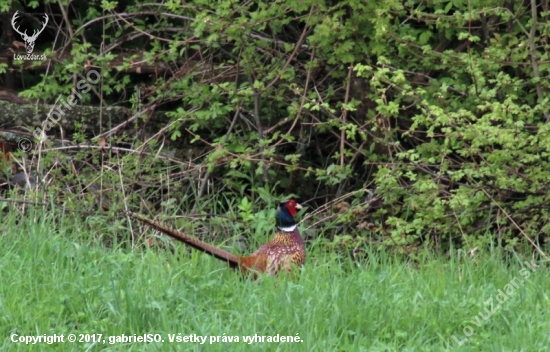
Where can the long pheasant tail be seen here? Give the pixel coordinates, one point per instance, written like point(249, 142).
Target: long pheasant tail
point(231, 259)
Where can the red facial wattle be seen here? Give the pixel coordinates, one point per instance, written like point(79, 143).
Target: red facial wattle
point(291, 207)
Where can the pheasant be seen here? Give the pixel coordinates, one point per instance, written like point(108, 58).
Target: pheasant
point(283, 252)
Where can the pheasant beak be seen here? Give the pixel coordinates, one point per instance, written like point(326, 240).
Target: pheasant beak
point(298, 206)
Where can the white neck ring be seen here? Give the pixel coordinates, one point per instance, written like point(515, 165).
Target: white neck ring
point(288, 228)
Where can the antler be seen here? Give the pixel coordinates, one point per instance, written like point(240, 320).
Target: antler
point(43, 26)
point(13, 19)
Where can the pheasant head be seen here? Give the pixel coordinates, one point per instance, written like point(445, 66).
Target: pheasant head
point(285, 215)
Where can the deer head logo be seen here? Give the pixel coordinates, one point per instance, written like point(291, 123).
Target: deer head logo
point(29, 41)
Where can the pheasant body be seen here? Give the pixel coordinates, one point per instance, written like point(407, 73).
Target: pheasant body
point(283, 252)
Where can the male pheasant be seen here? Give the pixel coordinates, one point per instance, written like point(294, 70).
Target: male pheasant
point(283, 252)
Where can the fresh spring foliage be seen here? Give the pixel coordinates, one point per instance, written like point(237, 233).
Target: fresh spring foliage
point(429, 119)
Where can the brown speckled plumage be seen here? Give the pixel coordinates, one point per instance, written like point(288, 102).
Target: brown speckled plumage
point(283, 252)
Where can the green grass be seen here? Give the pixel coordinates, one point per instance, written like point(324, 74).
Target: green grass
point(53, 281)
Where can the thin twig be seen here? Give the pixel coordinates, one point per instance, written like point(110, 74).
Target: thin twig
point(533, 52)
point(125, 123)
point(345, 118)
point(516, 225)
point(258, 121)
point(297, 46)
